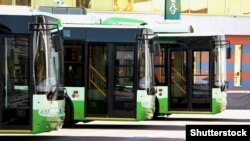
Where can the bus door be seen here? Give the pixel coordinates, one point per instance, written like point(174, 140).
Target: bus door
point(15, 100)
point(189, 80)
point(110, 81)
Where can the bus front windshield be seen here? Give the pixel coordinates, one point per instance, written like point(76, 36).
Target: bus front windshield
point(146, 69)
point(47, 65)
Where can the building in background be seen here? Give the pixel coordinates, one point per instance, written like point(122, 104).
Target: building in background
point(229, 17)
point(207, 7)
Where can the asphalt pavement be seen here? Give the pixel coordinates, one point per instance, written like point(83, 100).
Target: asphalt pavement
point(171, 128)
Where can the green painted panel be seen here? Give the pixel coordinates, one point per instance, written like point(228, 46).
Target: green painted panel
point(122, 20)
point(216, 108)
point(77, 96)
point(145, 105)
point(47, 115)
point(162, 96)
point(219, 100)
point(79, 110)
point(42, 123)
point(140, 112)
point(163, 105)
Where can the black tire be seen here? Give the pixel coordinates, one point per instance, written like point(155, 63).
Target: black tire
point(68, 121)
point(156, 113)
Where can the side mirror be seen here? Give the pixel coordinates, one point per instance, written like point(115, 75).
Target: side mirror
point(57, 42)
point(224, 86)
point(156, 48)
point(228, 52)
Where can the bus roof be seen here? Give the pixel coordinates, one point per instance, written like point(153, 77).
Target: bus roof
point(101, 26)
point(11, 16)
point(78, 19)
point(123, 21)
point(189, 34)
point(162, 28)
point(102, 33)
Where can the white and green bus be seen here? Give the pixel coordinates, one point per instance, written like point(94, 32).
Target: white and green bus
point(109, 73)
point(32, 95)
point(109, 69)
point(190, 73)
point(190, 70)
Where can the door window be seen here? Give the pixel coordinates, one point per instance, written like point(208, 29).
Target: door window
point(15, 82)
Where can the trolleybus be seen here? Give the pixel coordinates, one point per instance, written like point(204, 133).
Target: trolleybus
point(109, 73)
point(109, 69)
point(32, 97)
point(190, 73)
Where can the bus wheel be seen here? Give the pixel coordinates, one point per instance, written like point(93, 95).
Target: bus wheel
point(68, 121)
point(156, 113)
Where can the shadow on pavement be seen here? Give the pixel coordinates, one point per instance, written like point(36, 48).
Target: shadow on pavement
point(203, 119)
point(83, 138)
point(129, 127)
